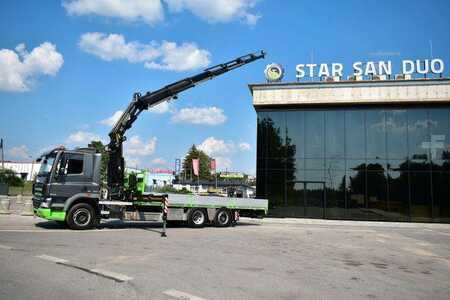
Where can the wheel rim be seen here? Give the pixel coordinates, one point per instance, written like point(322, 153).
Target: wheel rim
point(198, 217)
point(223, 217)
point(82, 217)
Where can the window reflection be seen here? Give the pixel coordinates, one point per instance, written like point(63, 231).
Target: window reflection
point(378, 164)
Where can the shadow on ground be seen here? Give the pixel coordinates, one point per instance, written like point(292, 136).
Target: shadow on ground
point(118, 224)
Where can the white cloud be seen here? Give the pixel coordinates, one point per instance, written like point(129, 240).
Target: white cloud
point(185, 57)
point(147, 11)
point(161, 108)
point(159, 161)
point(19, 69)
point(244, 146)
point(218, 11)
point(200, 115)
point(19, 152)
point(113, 119)
point(154, 55)
point(132, 162)
point(135, 146)
point(223, 163)
point(213, 146)
point(83, 137)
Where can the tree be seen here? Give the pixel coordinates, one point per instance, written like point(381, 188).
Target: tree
point(204, 163)
point(100, 148)
point(10, 178)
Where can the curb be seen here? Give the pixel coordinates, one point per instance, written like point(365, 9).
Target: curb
point(325, 222)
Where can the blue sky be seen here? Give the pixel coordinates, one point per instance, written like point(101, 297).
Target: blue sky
point(83, 60)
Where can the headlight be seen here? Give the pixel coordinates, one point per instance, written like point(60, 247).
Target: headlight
point(46, 203)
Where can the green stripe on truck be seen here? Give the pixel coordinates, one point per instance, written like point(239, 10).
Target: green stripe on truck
point(48, 214)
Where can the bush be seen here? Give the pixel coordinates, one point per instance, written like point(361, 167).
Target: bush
point(10, 178)
point(171, 190)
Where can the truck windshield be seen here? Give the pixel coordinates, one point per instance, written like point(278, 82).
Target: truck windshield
point(46, 165)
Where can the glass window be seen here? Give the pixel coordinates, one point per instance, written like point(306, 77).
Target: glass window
point(74, 166)
point(377, 195)
point(439, 143)
point(398, 193)
point(314, 125)
point(275, 126)
point(334, 133)
point(376, 134)
point(441, 196)
point(418, 140)
point(275, 188)
point(356, 192)
point(420, 196)
point(261, 136)
point(355, 134)
point(295, 192)
point(295, 133)
point(396, 129)
point(335, 193)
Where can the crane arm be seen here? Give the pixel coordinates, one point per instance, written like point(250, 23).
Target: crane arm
point(143, 102)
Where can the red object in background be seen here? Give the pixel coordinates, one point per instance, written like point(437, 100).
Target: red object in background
point(213, 166)
point(195, 166)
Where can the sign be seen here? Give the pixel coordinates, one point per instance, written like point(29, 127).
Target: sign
point(426, 66)
point(195, 166)
point(274, 72)
point(213, 166)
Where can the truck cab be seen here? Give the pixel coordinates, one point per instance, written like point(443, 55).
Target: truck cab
point(67, 178)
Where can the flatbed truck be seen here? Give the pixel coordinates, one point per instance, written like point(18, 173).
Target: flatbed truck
point(69, 188)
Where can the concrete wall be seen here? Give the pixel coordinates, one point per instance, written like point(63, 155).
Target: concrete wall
point(353, 92)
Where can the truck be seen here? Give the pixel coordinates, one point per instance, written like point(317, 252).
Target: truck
point(69, 187)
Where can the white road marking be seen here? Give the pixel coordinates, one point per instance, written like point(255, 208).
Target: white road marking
point(181, 295)
point(6, 247)
point(52, 259)
point(104, 273)
point(112, 275)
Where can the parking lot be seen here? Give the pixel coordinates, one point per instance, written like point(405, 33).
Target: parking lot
point(254, 260)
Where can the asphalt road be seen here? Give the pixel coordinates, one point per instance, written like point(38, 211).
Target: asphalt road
point(39, 259)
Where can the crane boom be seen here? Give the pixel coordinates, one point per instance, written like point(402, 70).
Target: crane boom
point(115, 171)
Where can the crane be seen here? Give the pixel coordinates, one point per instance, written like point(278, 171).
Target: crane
point(139, 103)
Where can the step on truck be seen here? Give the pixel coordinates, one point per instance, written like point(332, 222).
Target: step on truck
point(69, 187)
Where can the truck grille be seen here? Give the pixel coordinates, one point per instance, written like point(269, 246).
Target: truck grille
point(36, 202)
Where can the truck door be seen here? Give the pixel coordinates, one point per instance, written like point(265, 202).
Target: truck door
point(70, 178)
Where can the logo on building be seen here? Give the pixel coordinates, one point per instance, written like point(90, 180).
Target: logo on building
point(274, 72)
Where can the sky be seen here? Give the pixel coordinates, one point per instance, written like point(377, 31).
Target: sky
point(68, 68)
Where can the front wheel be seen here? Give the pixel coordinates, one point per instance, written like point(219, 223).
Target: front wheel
point(81, 216)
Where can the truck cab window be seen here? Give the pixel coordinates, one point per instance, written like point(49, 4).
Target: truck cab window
point(74, 166)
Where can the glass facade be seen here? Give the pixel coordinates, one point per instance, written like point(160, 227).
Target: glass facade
point(364, 163)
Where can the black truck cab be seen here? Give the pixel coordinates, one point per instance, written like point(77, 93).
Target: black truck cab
point(67, 178)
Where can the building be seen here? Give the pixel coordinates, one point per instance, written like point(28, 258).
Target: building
point(356, 149)
point(25, 170)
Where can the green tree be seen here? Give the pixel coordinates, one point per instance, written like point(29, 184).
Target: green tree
point(9, 177)
point(204, 161)
point(99, 147)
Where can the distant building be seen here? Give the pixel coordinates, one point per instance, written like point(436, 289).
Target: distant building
point(25, 170)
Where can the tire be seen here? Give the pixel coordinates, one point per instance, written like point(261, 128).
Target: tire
point(223, 218)
point(197, 218)
point(81, 216)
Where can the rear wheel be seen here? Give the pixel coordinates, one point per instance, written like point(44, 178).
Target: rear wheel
point(81, 216)
point(196, 218)
point(223, 218)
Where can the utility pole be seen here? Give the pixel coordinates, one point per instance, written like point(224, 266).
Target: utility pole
point(3, 158)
